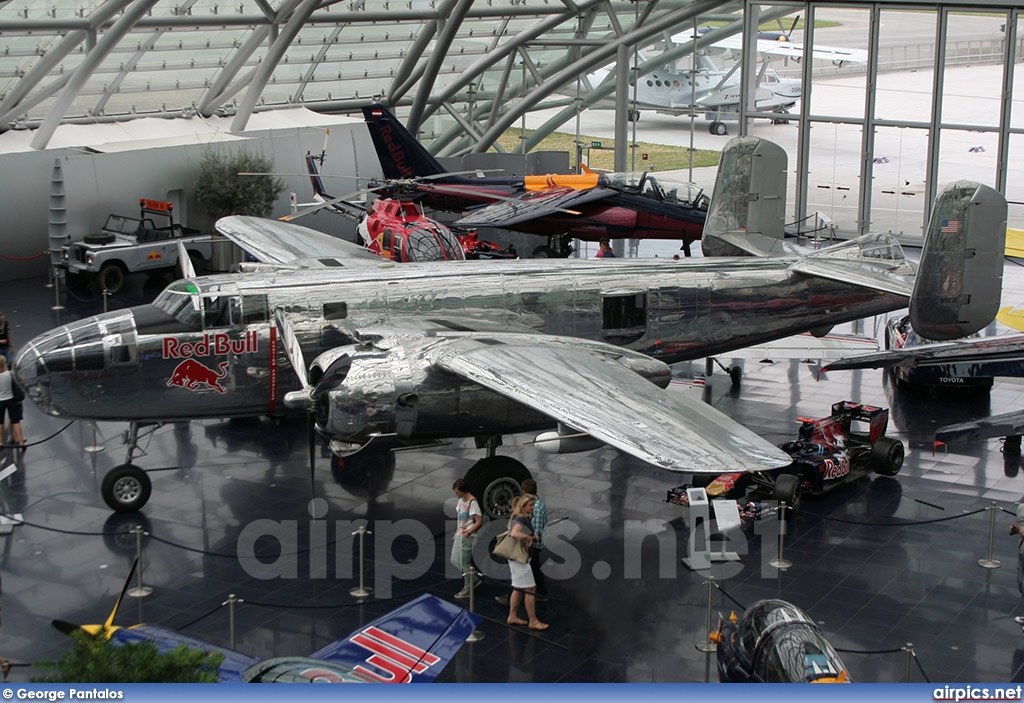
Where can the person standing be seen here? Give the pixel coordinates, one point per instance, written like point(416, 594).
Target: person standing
point(523, 586)
point(540, 523)
point(1015, 529)
point(10, 404)
point(604, 250)
point(468, 521)
point(6, 350)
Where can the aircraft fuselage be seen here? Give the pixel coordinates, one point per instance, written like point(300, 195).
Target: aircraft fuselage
point(209, 347)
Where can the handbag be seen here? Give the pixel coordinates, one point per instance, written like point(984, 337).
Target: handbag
point(508, 547)
point(18, 394)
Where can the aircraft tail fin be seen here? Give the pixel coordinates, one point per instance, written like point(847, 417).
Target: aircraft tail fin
point(960, 280)
point(400, 154)
point(314, 177)
point(410, 644)
point(747, 211)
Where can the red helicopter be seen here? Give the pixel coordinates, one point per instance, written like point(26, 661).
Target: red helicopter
point(396, 228)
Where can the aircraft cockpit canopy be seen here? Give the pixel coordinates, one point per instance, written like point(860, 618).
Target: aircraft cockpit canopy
point(663, 187)
point(785, 645)
point(198, 308)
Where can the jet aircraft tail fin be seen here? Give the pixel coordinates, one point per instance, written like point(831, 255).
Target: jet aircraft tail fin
point(957, 289)
point(401, 156)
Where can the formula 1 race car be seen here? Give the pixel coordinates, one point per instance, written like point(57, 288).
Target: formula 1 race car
point(834, 451)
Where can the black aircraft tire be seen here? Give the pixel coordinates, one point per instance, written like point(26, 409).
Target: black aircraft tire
point(718, 128)
point(887, 456)
point(544, 252)
point(111, 277)
point(787, 489)
point(495, 481)
point(735, 375)
point(703, 480)
point(126, 488)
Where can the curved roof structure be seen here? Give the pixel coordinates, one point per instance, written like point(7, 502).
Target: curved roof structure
point(485, 62)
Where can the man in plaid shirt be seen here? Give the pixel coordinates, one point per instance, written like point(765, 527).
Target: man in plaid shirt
point(540, 523)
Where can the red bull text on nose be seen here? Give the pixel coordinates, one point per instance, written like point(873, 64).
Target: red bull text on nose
point(217, 343)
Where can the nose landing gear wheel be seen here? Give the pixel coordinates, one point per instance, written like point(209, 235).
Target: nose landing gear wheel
point(126, 488)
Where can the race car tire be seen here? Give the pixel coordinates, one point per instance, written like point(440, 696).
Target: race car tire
point(887, 456)
point(703, 480)
point(787, 489)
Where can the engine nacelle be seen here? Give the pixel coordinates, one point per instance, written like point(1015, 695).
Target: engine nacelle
point(355, 391)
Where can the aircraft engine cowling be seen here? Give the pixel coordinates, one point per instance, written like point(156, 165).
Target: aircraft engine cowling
point(354, 391)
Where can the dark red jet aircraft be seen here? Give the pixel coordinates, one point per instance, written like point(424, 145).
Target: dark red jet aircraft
point(587, 206)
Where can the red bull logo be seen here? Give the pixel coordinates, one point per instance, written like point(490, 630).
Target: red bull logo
point(192, 375)
point(218, 343)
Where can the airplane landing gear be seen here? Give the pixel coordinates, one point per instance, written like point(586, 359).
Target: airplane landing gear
point(718, 128)
point(558, 247)
point(495, 481)
point(126, 487)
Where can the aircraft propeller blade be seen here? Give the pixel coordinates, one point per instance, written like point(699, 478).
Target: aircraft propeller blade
point(292, 349)
point(124, 589)
point(187, 269)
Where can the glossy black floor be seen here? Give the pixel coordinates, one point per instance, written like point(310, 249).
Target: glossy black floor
point(869, 563)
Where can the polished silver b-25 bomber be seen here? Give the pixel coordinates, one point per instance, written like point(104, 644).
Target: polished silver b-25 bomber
point(406, 353)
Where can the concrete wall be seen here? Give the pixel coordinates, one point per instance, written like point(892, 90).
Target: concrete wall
point(97, 184)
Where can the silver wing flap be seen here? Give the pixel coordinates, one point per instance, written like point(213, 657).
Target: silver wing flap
point(760, 245)
point(276, 242)
point(591, 392)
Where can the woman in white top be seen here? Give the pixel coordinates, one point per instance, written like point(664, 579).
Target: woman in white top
point(10, 407)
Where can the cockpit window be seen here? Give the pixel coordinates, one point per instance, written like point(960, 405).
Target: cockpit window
point(181, 300)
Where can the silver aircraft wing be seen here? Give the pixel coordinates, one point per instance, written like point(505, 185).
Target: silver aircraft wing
point(871, 260)
point(284, 243)
point(1005, 425)
point(992, 356)
point(592, 393)
point(806, 346)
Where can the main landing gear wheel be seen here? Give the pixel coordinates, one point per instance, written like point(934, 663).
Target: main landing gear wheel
point(126, 488)
point(495, 481)
point(718, 128)
point(544, 252)
point(887, 456)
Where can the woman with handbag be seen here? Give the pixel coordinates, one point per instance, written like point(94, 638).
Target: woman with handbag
point(523, 585)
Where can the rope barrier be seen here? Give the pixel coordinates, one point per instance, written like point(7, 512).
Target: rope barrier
point(23, 258)
point(32, 444)
point(893, 524)
point(920, 668)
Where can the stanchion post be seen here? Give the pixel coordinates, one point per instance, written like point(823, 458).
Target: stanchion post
point(361, 591)
point(93, 448)
point(988, 562)
point(909, 649)
point(707, 644)
point(230, 603)
point(56, 296)
point(140, 591)
point(106, 294)
point(475, 635)
point(780, 562)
